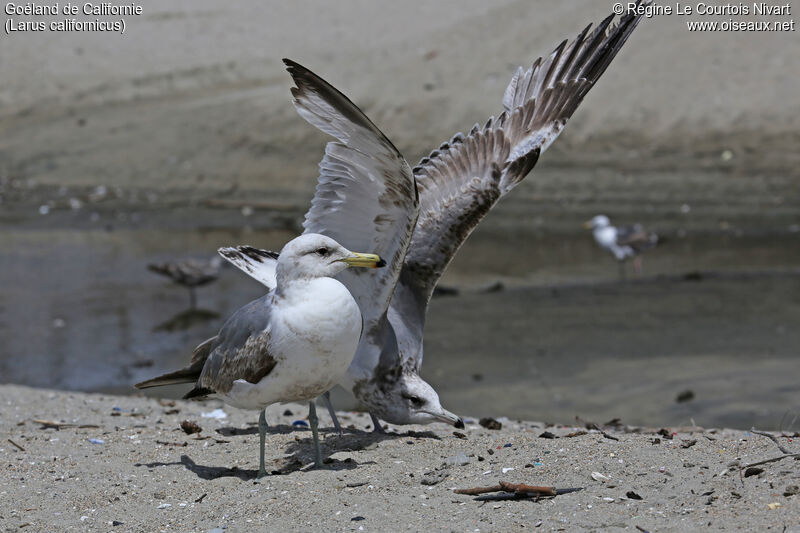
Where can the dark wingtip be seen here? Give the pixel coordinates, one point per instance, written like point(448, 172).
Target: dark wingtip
point(459, 424)
point(197, 392)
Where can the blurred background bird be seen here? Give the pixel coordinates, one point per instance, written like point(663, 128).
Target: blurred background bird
point(623, 242)
point(191, 272)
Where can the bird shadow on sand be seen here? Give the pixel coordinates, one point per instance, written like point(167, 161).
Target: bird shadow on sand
point(298, 455)
point(353, 440)
point(186, 319)
point(230, 431)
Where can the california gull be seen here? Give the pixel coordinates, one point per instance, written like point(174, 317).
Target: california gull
point(259, 357)
point(458, 185)
point(622, 241)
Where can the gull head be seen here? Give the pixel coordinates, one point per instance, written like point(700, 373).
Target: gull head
point(314, 256)
point(600, 221)
point(413, 401)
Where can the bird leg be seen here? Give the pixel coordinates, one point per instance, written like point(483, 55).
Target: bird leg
point(621, 270)
point(192, 298)
point(637, 265)
point(314, 422)
point(262, 435)
point(326, 397)
point(377, 423)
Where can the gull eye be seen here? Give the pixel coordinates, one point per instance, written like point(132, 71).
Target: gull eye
point(415, 400)
point(322, 252)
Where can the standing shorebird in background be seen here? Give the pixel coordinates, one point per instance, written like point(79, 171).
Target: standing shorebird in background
point(623, 241)
point(190, 272)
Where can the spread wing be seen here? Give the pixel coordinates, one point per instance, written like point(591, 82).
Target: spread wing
point(366, 196)
point(461, 181)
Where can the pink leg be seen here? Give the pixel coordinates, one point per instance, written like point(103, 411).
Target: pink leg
point(637, 265)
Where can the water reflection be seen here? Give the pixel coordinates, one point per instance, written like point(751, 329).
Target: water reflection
point(556, 336)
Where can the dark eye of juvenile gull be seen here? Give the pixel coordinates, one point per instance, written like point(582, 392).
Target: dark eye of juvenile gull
point(416, 401)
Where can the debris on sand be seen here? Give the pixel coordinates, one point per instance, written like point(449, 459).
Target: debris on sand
point(190, 427)
point(510, 491)
point(490, 423)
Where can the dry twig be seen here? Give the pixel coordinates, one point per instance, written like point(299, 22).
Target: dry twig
point(60, 425)
point(516, 488)
point(167, 443)
point(786, 453)
point(774, 439)
point(478, 490)
point(528, 489)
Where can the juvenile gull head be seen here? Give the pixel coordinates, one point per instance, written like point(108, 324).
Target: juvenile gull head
point(413, 401)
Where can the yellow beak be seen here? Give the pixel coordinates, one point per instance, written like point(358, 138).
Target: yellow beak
point(587, 224)
point(364, 260)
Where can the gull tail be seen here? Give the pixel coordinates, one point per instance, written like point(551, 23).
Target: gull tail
point(188, 374)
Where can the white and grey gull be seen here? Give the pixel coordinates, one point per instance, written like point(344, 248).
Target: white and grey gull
point(297, 341)
point(624, 242)
point(458, 185)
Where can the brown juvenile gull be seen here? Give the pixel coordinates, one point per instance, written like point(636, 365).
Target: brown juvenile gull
point(458, 185)
point(365, 187)
point(622, 241)
point(190, 272)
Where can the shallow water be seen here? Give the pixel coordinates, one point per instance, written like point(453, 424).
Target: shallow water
point(563, 337)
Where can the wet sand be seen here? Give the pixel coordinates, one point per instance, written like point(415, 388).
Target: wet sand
point(674, 120)
point(124, 464)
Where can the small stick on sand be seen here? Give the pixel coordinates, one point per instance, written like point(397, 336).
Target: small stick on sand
point(528, 489)
point(60, 425)
point(52, 424)
point(478, 490)
point(517, 488)
point(20, 448)
point(774, 439)
point(786, 453)
point(167, 443)
point(774, 459)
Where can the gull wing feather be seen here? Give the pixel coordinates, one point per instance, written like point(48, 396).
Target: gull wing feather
point(256, 263)
point(461, 181)
point(239, 351)
point(366, 196)
point(636, 237)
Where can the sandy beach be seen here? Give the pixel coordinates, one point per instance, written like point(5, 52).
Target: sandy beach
point(82, 462)
point(192, 104)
